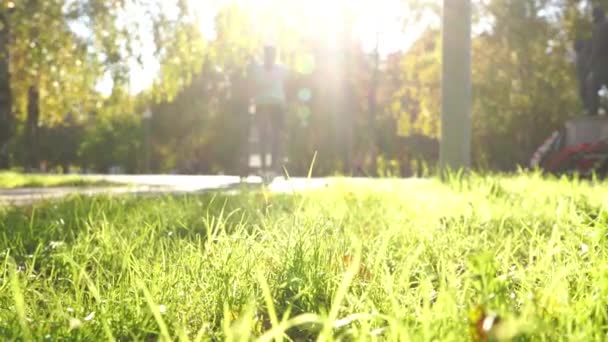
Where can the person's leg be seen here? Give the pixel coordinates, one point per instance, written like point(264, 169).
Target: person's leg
point(263, 135)
point(245, 149)
point(603, 82)
point(277, 139)
point(592, 95)
point(583, 95)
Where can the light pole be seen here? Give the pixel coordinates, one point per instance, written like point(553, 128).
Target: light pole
point(455, 151)
point(147, 116)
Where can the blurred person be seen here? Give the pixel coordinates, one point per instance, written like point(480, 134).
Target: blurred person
point(599, 59)
point(268, 91)
point(582, 48)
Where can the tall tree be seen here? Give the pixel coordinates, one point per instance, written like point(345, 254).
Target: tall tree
point(6, 108)
point(64, 48)
point(524, 85)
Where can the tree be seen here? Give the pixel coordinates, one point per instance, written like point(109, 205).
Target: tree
point(61, 49)
point(53, 69)
point(6, 107)
point(524, 84)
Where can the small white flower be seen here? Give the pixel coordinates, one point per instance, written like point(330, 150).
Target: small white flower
point(90, 316)
point(69, 310)
point(75, 323)
point(488, 323)
point(55, 244)
point(181, 293)
point(162, 309)
point(584, 249)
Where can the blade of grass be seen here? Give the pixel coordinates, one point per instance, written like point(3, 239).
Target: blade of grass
point(19, 300)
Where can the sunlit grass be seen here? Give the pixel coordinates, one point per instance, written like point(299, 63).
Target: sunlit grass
point(388, 259)
point(10, 180)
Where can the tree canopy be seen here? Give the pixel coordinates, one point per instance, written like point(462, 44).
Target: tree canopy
point(359, 105)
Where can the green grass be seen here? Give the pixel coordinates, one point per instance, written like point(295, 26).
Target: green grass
point(11, 180)
point(386, 260)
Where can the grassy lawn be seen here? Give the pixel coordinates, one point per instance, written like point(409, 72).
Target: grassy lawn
point(392, 260)
point(11, 180)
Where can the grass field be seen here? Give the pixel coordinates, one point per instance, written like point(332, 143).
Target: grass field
point(487, 257)
point(11, 180)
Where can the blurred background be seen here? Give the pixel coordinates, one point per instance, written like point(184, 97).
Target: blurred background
point(159, 86)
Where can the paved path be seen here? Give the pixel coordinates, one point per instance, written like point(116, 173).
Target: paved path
point(181, 183)
point(156, 185)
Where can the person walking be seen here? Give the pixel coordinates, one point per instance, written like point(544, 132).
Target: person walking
point(268, 86)
point(599, 60)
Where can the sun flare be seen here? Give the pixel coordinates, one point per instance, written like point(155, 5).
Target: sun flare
point(321, 19)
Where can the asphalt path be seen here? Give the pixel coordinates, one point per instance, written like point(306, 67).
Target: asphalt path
point(158, 185)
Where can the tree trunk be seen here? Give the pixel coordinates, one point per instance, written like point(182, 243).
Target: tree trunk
point(6, 114)
point(31, 129)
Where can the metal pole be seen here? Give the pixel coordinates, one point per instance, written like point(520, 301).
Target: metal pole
point(455, 151)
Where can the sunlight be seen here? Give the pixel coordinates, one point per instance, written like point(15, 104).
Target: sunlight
point(374, 24)
point(322, 20)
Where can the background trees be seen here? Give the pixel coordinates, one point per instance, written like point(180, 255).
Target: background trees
point(67, 96)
